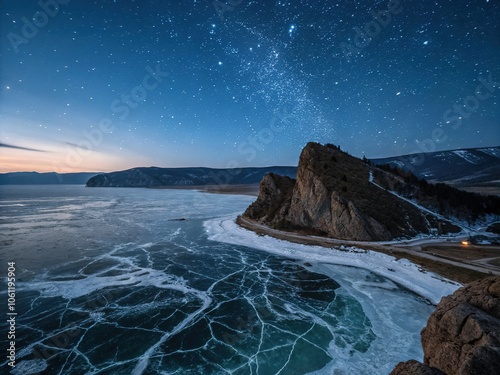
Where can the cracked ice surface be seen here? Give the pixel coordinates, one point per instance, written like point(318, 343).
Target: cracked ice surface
point(259, 315)
point(164, 298)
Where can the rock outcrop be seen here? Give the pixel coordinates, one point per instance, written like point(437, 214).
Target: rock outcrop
point(273, 200)
point(414, 368)
point(462, 336)
point(334, 195)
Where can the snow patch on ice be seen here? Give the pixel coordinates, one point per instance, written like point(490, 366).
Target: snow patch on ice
point(26, 367)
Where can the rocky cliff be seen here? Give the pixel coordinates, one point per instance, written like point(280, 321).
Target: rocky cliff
point(273, 201)
point(335, 195)
point(462, 336)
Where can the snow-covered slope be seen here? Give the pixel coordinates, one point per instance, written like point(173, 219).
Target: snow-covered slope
point(466, 166)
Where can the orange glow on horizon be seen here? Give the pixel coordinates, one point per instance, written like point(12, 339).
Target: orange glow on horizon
point(465, 243)
point(43, 162)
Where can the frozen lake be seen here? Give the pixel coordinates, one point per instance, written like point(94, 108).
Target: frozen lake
point(110, 281)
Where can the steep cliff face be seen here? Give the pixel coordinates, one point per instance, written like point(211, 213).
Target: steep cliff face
point(462, 336)
point(334, 195)
point(329, 182)
point(273, 200)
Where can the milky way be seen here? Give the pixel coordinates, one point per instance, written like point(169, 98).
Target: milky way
point(245, 82)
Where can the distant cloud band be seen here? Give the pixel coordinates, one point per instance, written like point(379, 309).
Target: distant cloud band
point(4, 145)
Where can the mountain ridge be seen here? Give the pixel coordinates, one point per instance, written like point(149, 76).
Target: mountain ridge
point(45, 178)
point(458, 167)
point(191, 176)
point(480, 170)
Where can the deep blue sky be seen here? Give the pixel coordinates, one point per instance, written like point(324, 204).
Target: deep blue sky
point(242, 85)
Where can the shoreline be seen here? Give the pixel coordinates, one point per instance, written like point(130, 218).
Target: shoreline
point(430, 286)
point(445, 256)
point(237, 189)
point(447, 259)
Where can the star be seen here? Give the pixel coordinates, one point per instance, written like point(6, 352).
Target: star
point(294, 72)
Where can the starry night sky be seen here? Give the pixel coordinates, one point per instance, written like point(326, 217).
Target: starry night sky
point(107, 85)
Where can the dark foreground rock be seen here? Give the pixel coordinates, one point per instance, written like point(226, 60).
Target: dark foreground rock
point(414, 368)
point(462, 336)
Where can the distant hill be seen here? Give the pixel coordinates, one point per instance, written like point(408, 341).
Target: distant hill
point(465, 167)
point(340, 196)
point(164, 177)
point(52, 178)
point(461, 168)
